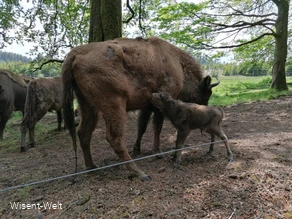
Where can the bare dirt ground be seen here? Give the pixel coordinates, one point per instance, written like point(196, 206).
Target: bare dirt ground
point(257, 184)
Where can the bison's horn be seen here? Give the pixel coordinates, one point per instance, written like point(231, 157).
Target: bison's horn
point(214, 84)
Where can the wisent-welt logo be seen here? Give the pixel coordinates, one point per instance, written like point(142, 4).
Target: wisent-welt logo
point(39, 206)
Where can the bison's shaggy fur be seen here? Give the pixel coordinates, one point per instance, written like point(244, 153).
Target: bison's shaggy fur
point(188, 116)
point(43, 95)
point(116, 76)
point(12, 95)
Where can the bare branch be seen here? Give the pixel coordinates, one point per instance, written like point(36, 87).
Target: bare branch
point(47, 62)
point(238, 45)
point(132, 13)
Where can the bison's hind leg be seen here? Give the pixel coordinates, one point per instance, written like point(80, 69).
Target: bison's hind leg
point(87, 125)
point(115, 116)
point(23, 138)
point(31, 137)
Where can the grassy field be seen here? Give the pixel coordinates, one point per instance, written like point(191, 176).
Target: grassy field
point(242, 89)
point(46, 127)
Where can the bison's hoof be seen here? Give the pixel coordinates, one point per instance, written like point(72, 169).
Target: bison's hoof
point(135, 153)
point(136, 150)
point(93, 166)
point(176, 165)
point(230, 157)
point(209, 152)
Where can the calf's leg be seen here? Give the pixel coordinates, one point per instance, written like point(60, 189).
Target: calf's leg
point(219, 132)
point(115, 116)
point(211, 148)
point(180, 142)
point(143, 118)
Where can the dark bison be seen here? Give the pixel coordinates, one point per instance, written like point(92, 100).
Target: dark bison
point(12, 95)
point(117, 76)
point(188, 116)
point(43, 95)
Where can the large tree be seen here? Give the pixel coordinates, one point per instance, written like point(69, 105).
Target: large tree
point(56, 26)
point(105, 20)
point(231, 24)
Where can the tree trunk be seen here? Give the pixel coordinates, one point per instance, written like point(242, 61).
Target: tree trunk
point(105, 20)
point(279, 73)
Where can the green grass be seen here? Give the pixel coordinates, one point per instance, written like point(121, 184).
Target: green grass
point(241, 89)
point(12, 134)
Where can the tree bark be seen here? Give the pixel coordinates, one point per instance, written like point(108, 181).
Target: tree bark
point(280, 55)
point(105, 20)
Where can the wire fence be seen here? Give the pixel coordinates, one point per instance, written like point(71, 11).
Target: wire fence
point(282, 129)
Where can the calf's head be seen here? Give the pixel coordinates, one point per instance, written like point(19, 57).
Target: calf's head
point(160, 100)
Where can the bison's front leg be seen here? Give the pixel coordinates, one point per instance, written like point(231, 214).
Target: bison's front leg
point(59, 119)
point(143, 119)
point(180, 142)
point(87, 125)
point(3, 121)
point(158, 119)
point(115, 117)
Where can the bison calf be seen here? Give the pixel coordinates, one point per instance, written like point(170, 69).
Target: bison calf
point(188, 116)
point(43, 95)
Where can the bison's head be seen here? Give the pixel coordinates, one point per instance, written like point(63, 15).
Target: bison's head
point(197, 93)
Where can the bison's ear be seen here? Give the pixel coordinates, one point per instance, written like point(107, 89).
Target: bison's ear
point(1, 89)
point(206, 83)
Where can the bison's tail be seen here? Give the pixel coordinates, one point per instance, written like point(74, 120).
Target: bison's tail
point(68, 111)
point(30, 106)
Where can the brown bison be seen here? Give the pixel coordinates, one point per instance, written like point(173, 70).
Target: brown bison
point(188, 116)
point(12, 96)
point(43, 95)
point(117, 76)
